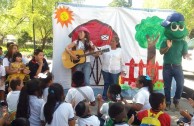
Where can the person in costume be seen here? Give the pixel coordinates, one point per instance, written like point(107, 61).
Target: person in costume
point(174, 47)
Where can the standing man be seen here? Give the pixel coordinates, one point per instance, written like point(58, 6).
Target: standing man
point(174, 48)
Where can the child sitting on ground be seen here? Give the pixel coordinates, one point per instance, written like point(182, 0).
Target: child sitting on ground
point(47, 80)
point(158, 104)
point(12, 97)
point(18, 65)
point(80, 91)
point(118, 114)
point(114, 95)
point(82, 110)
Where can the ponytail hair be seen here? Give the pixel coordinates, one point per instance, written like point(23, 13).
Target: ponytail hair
point(32, 87)
point(55, 97)
point(45, 81)
point(146, 82)
point(115, 92)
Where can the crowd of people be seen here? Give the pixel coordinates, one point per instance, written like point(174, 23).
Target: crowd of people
point(43, 102)
point(35, 100)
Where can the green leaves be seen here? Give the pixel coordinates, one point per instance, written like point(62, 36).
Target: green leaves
point(17, 18)
point(149, 28)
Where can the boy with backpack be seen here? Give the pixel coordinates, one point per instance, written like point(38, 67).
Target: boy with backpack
point(118, 114)
point(155, 116)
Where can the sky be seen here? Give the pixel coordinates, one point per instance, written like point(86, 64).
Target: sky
point(135, 3)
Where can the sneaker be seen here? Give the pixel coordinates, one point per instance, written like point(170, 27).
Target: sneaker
point(167, 107)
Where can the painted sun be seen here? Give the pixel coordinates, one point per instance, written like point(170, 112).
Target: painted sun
point(64, 16)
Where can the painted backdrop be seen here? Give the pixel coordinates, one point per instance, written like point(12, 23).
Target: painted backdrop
point(139, 32)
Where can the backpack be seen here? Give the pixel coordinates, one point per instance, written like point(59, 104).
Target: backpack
point(151, 119)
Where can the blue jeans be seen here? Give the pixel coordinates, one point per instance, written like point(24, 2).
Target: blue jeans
point(109, 79)
point(86, 69)
point(170, 71)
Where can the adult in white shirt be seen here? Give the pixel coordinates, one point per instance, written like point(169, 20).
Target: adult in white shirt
point(13, 96)
point(56, 112)
point(13, 48)
point(83, 42)
point(112, 64)
point(79, 92)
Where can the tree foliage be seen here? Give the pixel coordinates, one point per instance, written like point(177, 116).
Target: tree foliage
point(149, 27)
point(183, 6)
point(19, 18)
point(119, 3)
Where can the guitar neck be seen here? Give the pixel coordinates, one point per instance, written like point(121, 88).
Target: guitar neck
point(88, 54)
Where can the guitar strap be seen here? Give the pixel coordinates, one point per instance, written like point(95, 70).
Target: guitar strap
point(83, 94)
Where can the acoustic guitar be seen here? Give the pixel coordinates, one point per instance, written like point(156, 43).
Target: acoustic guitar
point(69, 62)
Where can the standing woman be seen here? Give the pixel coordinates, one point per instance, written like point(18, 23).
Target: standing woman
point(112, 65)
point(83, 42)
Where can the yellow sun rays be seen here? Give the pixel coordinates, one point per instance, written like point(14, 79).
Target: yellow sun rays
point(64, 16)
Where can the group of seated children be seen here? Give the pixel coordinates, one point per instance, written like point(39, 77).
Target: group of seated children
point(147, 107)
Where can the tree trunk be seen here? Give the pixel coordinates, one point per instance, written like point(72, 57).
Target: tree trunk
point(43, 43)
point(151, 53)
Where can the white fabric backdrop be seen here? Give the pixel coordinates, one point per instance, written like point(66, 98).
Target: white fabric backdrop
point(122, 20)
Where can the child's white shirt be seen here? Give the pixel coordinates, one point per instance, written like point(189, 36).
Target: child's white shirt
point(142, 97)
point(73, 95)
point(90, 121)
point(192, 121)
point(45, 94)
point(2, 74)
point(35, 110)
point(104, 111)
point(12, 100)
point(61, 116)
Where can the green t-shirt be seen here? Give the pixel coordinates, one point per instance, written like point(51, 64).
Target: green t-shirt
point(175, 52)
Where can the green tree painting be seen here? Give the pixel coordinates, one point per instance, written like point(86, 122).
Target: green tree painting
point(149, 34)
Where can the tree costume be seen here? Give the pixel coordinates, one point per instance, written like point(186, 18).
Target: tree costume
point(174, 47)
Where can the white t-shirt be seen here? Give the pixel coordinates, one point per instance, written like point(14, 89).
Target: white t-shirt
point(2, 74)
point(73, 95)
point(61, 116)
point(112, 60)
point(142, 97)
point(12, 100)
point(6, 62)
point(104, 111)
point(45, 94)
point(192, 121)
point(81, 46)
point(35, 110)
point(90, 121)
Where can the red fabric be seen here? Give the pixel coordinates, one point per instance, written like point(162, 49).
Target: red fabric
point(163, 118)
point(100, 33)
